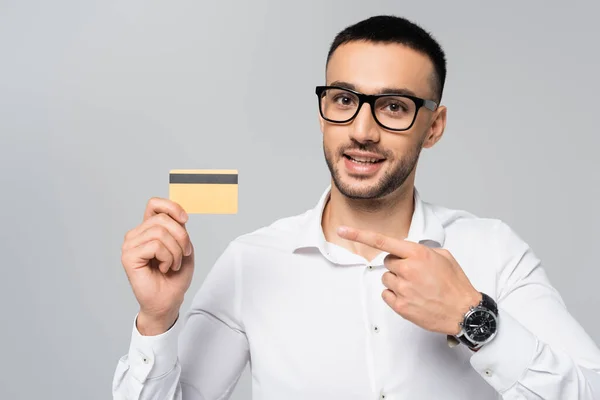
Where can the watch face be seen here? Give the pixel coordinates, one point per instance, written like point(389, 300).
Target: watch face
point(480, 325)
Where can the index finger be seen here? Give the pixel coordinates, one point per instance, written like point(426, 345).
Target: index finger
point(400, 248)
point(157, 205)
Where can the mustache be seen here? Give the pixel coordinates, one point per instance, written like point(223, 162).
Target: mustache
point(364, 147)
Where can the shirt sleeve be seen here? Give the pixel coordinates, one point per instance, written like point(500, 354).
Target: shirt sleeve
point(202, 356)
point(540, 350)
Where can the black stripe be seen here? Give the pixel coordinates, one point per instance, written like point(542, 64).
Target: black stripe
point(203, 178)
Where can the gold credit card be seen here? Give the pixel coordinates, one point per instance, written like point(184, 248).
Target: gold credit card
point(205, 191)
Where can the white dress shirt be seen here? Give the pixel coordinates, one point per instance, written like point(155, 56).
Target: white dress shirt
point(309, 318)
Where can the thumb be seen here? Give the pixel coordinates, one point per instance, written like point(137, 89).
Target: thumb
point(187, 262)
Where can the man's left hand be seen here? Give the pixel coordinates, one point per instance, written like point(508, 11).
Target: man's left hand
point(424, 285)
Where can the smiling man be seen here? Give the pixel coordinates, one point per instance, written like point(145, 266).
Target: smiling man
point(372, 294)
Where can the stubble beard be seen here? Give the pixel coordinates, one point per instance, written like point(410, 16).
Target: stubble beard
point(388, 183)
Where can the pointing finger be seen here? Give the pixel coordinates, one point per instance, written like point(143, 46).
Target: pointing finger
point(400, 248)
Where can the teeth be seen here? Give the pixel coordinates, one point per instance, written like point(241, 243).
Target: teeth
point(365, 160)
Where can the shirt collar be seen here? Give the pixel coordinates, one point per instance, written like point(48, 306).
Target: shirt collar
point(425, 227)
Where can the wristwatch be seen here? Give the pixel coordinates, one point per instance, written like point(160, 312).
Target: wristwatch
point(480, 324)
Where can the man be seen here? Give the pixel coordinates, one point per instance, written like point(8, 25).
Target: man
point(367, 295)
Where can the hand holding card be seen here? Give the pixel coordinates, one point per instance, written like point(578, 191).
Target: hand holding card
point(158, 255)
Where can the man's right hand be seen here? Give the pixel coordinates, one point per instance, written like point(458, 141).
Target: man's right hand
point(158, 258)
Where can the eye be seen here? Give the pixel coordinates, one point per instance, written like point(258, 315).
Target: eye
point(343, 100)
point(394, 106)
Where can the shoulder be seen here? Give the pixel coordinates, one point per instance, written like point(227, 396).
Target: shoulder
point(463, 225)
point(486, 247)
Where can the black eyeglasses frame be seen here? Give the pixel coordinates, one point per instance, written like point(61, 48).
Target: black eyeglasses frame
point(371, 99)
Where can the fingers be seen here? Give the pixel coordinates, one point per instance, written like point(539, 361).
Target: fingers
point(158, 227)
point(389, 280)
point(395, 283)
point(153, 249)
point(389, 297)
point(399, 266)
point(164, 237)
point(159, 233)
point(400, 248)
point(157, 205)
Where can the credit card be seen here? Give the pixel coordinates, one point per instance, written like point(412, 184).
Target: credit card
point(205, 191)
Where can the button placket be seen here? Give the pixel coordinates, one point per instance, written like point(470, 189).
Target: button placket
point(375, 328)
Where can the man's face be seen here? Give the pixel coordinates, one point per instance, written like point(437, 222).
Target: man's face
point(371, 68)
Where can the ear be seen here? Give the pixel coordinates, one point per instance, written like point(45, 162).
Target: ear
point(436, 130)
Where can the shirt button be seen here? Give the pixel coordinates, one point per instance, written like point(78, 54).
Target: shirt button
point(382, 396)
point(145, 359)
point(370, 267)
point(376, 329)
point(488, 372)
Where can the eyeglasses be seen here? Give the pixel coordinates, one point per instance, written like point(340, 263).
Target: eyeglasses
point(396, 112)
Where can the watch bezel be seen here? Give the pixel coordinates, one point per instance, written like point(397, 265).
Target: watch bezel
point(471, 311)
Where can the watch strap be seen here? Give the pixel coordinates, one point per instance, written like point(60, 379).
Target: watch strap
point(463, 339)
point(489, 303)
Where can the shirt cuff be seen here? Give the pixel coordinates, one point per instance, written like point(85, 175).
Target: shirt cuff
point(153, 356)
point(504, 360)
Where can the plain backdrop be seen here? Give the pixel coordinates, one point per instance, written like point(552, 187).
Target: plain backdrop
point(100, 99)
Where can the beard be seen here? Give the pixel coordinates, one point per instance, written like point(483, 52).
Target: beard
point(388, 183)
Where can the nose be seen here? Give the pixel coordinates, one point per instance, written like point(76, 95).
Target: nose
point(364, 128)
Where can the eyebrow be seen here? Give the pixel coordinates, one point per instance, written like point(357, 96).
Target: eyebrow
point(386, 90)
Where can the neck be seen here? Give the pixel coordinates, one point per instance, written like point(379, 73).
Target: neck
point(390, 216)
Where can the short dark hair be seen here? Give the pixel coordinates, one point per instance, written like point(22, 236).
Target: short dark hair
point(392, 29)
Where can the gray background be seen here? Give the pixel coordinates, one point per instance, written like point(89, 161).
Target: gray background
point(99, 99)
